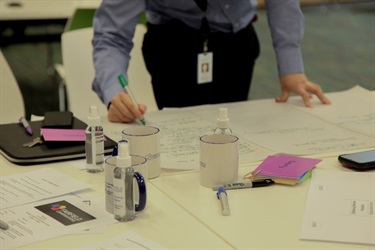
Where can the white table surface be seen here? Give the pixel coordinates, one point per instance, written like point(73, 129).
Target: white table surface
point(183, 214)
point(261, 218)
point(164, 221)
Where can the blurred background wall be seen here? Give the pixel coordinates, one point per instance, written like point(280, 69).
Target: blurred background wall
point(338, 51)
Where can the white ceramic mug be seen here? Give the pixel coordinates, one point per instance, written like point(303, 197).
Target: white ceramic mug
point(139, 165)
point(218, 159)
point(145, 141)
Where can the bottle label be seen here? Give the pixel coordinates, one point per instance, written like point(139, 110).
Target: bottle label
point(94, 159)
point(119, 199)
point(99, 148)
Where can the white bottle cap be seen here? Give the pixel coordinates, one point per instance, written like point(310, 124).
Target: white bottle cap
point(222, 119)
point(94, 118)
point(123, 159)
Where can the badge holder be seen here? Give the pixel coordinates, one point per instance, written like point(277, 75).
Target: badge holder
point(205, 59)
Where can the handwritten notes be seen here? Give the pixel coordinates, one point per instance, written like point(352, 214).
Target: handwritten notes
point(180, 132)
point(267, 128)
point(283, 128)
point(352, 109)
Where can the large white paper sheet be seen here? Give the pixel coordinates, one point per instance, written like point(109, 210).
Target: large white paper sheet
point(180, 132)
point(340, 207)
point(128, 240)
point(285, 129)
point(36, 185)
point(353, 109)
point(267, 128)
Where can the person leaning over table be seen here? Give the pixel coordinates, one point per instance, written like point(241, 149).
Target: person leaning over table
point(177, 36)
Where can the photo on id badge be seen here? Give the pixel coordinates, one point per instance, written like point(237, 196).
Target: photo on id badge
point(205, 67)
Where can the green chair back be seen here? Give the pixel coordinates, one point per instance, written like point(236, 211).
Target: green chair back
point(82, 18)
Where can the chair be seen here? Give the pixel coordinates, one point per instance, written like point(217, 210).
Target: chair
point(81, 18)
point(79, 72)
point(12, 105)
point(139, 77)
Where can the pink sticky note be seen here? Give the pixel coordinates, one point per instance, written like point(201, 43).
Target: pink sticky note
point(51, 134)
point(286, 166)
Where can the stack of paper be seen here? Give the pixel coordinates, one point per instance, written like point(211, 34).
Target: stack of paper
point(284, 169)
point(340, 207)
point(43, 204)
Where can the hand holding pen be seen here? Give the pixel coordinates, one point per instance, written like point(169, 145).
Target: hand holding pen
point(126, 87)
point(123, 108)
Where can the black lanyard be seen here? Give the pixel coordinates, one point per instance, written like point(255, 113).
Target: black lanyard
point(205, 28)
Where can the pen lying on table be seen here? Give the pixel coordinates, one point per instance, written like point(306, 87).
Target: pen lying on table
point(26, 125)
point(246, 184)
point(223, 197)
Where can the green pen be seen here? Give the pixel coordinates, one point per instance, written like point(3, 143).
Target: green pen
point(125, 85)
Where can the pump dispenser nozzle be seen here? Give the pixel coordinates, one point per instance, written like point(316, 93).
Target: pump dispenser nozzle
point(94, 118)
point(123, 159)
point(223, 122)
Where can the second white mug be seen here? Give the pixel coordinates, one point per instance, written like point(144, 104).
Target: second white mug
point(145, 141)
point(218, 159)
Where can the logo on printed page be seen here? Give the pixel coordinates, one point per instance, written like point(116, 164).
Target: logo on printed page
point(65, 213)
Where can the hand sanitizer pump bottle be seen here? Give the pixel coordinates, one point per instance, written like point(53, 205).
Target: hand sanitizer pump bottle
point(123, 196)
point(223, 123)
point(94, 145)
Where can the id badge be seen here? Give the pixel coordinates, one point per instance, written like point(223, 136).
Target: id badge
point(205, 64)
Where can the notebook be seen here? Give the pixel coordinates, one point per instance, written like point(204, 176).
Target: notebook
point(13, 136)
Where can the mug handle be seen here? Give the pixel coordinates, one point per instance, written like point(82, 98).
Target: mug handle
point(142, 192)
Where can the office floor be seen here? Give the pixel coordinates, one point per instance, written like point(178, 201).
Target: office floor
point(338, 51)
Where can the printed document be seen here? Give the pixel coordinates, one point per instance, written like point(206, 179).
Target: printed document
point(48, 219)
point(36, 185)
point(340, 207)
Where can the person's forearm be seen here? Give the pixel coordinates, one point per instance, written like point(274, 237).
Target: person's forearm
point(114, 24)
point(287, 26)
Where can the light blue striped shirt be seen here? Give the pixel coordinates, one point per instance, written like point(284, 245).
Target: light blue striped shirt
point(115, 21)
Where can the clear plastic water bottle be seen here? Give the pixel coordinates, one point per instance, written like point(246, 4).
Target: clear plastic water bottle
point(94, 145)
point(123, 197)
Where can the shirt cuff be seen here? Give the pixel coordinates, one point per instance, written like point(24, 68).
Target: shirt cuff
point(108, 92)
point(289, 61)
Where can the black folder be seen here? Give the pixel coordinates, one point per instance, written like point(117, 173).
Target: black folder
point(13, 136)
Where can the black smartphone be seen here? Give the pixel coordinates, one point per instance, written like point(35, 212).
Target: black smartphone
point(364, 160)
